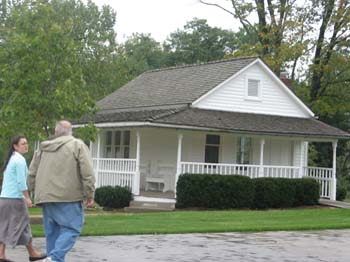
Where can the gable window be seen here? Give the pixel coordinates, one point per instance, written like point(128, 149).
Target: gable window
point(253, 88)
point(212, 146)
point(244, 150)
point(117, 144)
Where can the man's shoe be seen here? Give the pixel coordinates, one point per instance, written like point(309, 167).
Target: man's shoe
point(42, 256)
point(48, 259)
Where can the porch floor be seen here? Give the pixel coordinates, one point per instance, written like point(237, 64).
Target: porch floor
point(158, 194)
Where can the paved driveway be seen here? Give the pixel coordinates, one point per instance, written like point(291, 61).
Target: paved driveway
point(328, 245)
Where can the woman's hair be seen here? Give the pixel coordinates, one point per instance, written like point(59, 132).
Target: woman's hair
point(15, 140)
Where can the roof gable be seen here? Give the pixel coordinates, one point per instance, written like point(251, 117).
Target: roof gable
point(274, 97)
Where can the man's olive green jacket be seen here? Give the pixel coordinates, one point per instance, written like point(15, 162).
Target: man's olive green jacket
point(61, 171)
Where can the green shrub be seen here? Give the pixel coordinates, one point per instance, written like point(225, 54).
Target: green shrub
point(341, 192)
point(234, 191)
point(113, 197)
point(285, 192)
point(214, 191)
point(265, 192)
point(310, 191)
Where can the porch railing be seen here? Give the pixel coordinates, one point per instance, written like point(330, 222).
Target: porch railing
point(122, 172)
point(252, 171)
point(114, 172)
point(282, 171)
point(324, 176)
point(223, 169)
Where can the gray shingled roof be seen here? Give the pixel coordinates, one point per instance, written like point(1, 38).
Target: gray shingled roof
point(138, 115)
point(176, 85)
point(234, 122)
point(253, 123)
point(164, 97)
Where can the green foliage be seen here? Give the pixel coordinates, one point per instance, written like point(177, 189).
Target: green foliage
point(198, 42)
point(87, 133)
point(225, 192)
point(139, 54)
point(341, 192)
point(56, 58)
point(285, 192)
point(280, 34)
point(307, 192)
point(113, 197)
point(214, 191)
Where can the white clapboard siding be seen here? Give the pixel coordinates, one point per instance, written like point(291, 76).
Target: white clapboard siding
point(231, 96)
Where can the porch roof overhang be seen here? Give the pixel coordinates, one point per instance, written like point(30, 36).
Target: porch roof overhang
point(185, 117)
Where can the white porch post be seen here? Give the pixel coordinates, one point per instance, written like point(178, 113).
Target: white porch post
point(98, 160)
point(302, 152)
point(136, 184)
point(334, 167)
point(306, 157)
point(178, 163)
point(261, 168)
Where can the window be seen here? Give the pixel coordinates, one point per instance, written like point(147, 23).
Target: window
point(108, 146)
point(117, 144)
point(253, 88)
point(244, 150)
point(212, 146)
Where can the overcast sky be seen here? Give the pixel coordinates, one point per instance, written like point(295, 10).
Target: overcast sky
point(161, 17)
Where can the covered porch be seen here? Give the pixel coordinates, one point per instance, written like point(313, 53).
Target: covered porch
point(151, 159)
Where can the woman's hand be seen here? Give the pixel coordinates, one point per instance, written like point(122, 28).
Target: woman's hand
point(27, 199)
point(28, 202)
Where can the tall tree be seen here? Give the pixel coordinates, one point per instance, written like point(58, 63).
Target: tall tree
point(93, 30)
point(139, 53)
point(280, 27)
point(198, 42)
point(53, 59)
point(333, 39)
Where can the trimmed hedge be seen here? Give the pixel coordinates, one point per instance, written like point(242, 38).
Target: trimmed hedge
point(341, 192)
point(235, 191)
point(113, 197)
point(285, 192)
point(214, 191)
point(308, 192)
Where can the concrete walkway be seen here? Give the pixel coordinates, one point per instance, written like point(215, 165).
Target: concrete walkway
point(327, 245)
point(332, 203)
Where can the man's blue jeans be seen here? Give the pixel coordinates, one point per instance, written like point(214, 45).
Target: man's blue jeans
point(62, 223)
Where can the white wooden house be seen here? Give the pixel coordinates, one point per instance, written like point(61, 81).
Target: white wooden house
point(226, 117)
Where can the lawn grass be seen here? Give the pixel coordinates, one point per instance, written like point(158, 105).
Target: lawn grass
point(109, 223)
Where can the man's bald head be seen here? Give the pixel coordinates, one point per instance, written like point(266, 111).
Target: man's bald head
point(63, 128)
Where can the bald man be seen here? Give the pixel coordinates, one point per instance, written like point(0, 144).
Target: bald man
point(62, 178)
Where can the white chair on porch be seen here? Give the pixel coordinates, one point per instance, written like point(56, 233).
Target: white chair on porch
point(155, 179)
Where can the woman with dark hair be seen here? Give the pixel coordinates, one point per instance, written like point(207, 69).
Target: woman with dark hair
point(14, 202)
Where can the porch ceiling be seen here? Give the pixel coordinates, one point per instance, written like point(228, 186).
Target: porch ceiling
point(221, 120)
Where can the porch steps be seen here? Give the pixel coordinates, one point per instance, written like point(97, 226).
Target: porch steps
point(148, 204)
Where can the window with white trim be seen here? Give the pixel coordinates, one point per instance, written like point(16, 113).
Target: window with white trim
point(117, 144)
point(212, 146)
point(253, 88)
point(244, 148)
